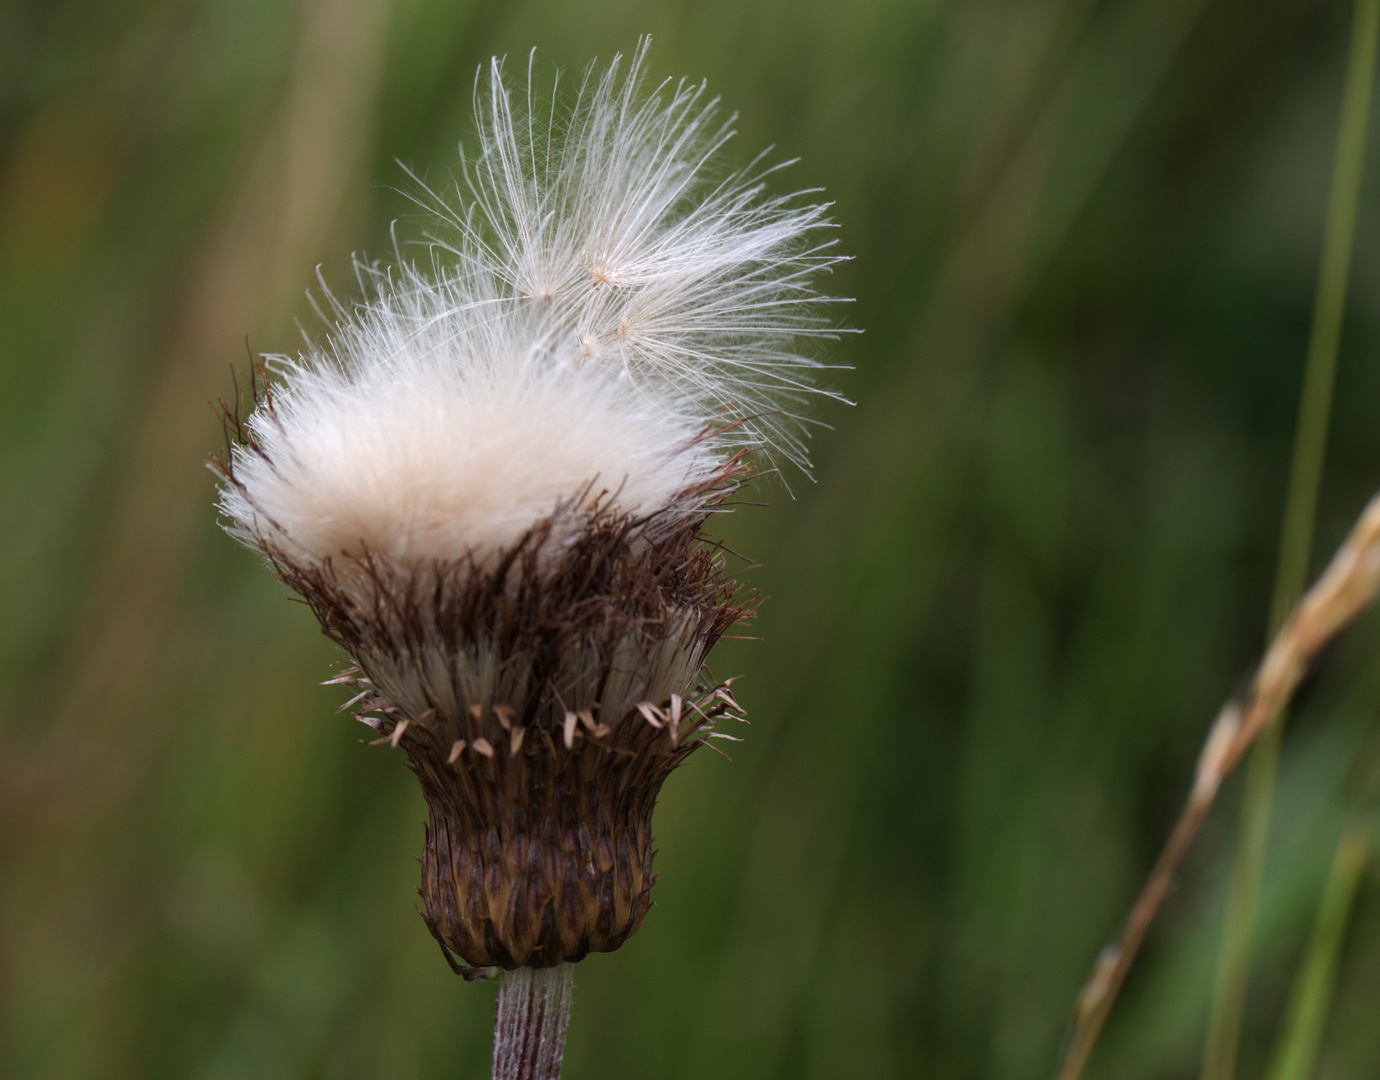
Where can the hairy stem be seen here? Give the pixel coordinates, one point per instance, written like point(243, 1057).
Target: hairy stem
point(529, 1032)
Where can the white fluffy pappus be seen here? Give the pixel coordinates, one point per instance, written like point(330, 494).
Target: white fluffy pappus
point(610, 318)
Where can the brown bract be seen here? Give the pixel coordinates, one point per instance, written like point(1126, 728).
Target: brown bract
point(541, 698)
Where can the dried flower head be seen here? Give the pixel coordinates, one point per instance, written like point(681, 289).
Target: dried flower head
point(490, 483)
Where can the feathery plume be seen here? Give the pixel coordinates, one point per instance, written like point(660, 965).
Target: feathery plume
point(613, 315)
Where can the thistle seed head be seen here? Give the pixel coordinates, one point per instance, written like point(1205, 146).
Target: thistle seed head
point(490, 484)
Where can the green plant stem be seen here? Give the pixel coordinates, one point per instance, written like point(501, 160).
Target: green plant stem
point(1311, 998)
point(1224, 1027)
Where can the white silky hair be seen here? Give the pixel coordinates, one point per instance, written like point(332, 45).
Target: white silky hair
point(611, 317)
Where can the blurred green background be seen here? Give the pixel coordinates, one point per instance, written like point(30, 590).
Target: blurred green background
point(1038, 556)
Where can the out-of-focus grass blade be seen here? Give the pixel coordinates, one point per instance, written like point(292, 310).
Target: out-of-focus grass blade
point(1296, 1054)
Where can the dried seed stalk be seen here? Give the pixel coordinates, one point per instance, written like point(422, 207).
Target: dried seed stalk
point(1348, 585)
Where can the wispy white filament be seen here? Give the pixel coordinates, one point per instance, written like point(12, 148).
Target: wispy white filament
point(608, 315)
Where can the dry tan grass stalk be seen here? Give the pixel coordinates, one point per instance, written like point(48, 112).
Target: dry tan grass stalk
point(1348, 585)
